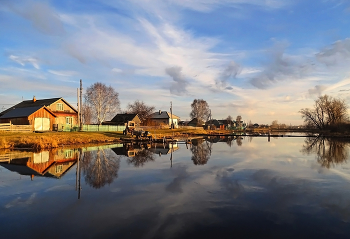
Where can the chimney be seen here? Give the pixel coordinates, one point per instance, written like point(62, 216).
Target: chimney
point(34, 99)
point(160, 112)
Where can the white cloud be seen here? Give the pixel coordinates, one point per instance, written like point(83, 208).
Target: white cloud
point(63, 73)
point(25, 60)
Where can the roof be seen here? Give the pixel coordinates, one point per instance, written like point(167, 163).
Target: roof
point(31, 103)
point(23, 112)
point(213, 121)
point(162, 115)
point(226, 121)
point(123, 118)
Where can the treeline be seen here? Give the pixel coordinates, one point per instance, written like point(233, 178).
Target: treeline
point(328, 113)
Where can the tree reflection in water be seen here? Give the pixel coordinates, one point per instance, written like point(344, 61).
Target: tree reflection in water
point(141, 157)
point(239, 140)
point(329, 151)
point(100, 167)
point(201, 151)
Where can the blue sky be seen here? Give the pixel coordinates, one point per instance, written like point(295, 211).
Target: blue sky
point(261, 59)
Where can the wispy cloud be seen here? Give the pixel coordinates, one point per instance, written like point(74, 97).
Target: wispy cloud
point(63, 73)
point(25, 60)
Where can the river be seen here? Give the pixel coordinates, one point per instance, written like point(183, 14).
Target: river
point(244, 187)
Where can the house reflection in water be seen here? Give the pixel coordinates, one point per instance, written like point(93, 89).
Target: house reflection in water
point(134, 149)
point(162, 149)
point(139, 154)
point(53, 164)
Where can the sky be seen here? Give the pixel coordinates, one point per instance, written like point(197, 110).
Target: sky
point(261, 59)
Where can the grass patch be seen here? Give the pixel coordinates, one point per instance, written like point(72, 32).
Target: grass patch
point(49, 140)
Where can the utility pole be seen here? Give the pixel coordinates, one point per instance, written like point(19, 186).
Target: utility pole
point(78, 106)
point(81, 105)
point(171, 112)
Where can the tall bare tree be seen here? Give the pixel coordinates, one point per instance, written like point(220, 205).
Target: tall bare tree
point(229, 118)
point(103, 100)
point(87, 114)
point(200, 110)
point(274, 124)
point(239, 121)
point(328, 111)
point(140, 108)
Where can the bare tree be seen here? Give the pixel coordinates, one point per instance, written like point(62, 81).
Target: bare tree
point(87, 114)
point(327, 111)
point(239, 121)
point(274, 124)
point(103, 100)
point(200, 110)
point(140, 108)
point(229, 118)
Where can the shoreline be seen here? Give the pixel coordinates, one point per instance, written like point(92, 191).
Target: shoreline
point(50, 140)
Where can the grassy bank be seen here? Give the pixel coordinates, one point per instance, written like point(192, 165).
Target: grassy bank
point(49, 140)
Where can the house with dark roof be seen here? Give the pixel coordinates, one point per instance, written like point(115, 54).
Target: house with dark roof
point(195, 122)
point(122, 119)
point(164, 118)
point(213, 124)
point(42, 114)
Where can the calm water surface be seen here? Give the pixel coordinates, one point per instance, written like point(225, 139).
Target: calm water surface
point(221, 188)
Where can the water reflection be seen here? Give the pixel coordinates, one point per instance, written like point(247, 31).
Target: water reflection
point(261, 189)
point(100, 167)
point(53, 164)
point(201, 151)
point(138, 154)
point(329, 151)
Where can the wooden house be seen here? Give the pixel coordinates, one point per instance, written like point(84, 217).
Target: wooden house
point(195, 122)
point(213, 124)
point(53, 112)
point(164, 118)
point(122, 119)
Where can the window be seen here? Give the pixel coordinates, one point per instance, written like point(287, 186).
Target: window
point(59, 106)
point(69, 120)
point(59, 168)
point(69, 154)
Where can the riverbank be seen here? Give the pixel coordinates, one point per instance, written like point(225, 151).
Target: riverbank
point(50, 140)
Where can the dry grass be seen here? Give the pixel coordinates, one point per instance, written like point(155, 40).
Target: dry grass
point(54, 139)
point(49, 140)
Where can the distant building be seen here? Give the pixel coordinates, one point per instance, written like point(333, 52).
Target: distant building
point(195, 122)
point(122, 119)
point(164, 118)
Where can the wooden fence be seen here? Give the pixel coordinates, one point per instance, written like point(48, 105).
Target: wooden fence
point(16, 128)
point(90, 128)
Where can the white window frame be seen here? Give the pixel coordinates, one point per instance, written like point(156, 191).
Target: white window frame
point(59, 107)
point(69, 120)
